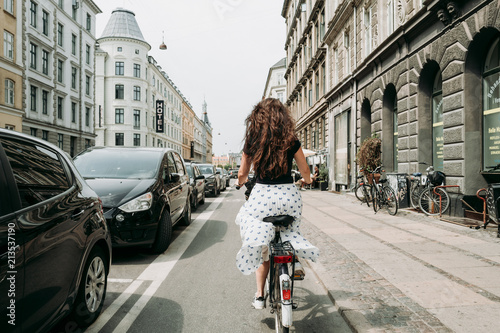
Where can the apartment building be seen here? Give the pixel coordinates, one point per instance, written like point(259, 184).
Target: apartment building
point(421, 75)
point(11, 66)
point(275, 86)
point(58, 44)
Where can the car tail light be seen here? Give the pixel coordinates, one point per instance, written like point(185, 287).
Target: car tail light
point(282, 259)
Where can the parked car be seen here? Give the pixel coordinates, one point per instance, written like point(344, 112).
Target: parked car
point(226, 173)
point(233, 173)
point(55, 246)
point(212, 178)
point(144, 191)
point(223, 178)
point(197, 184)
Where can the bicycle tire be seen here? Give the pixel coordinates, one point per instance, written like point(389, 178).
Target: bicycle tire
point(368, 193)
point(358, 192)
point(429, 201)
point(415, 195)
point(375, 198)
point(278, 313)
point(390, 200)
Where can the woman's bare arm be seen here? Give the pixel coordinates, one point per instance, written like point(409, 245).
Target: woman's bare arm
point(300, 159)
point(244, 169)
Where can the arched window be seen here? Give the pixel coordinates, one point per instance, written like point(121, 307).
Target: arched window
point(491, 107)
point(395, 134)
point(437, 123)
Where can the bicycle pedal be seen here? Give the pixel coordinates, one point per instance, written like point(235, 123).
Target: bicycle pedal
point(299, 277)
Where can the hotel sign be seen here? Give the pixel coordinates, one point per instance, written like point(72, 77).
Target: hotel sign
point(160, 116)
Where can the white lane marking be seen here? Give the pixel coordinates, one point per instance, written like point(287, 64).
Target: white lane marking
point(120, 280)
point(157, 271)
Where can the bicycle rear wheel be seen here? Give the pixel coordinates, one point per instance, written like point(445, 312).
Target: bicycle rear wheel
point(390, 200)
point(279, 308)
point(415, 195)
point(359, 192)
point(429, 201)
point(375, 198)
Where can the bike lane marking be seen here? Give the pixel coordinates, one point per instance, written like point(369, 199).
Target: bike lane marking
point(156, 272)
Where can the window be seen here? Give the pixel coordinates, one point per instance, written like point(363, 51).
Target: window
point(74, 11)
point(119, 68)
point(119, 91)
point(9, 92)
point(137, 140)
point(119, 49)
point(60, 141)
point(390, 16)
point(87, 54)
point(437, 123)
point(323, 78)
point(87, 116)
point(8, 45)
point(395, 135)
point(9, 6)
point(45, 23)
point(368, 30)
point(491, 107)
point(89, 22)
point(336, 64)
point(45, 135)
point(60, 66)
point(137, 93)
point(61, 4)
point(73, 112)
point(33, 131)
point(137, 119)
point(347, 55)
point(33, 50)
point(45, 102)
point(119, 116)
point(87, 85)
point(33, 13)
point(45, 62)
point(73, 44)
point(60, 32)
point(33, 98)
point(60, 102)
point(119, 139)
point(47, 176)
point(310, 94)
point(322, 25)
point(73, 77)
point(317, 85)
point(137, 70)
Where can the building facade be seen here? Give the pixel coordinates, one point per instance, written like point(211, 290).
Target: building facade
point(11, 66)
point(58, 46)
point(421, 75)
point(275, 83)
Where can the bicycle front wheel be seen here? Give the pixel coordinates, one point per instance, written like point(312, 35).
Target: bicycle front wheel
point(415, 195)
point(390, 200)
point(375, 198)
point(367, 190)
point(359, 192)
point(430, 202)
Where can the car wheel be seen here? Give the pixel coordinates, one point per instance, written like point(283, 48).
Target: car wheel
point(202, 201)
point(92, 289)
point(163, 234)
point(214, 192)
point(186, 217)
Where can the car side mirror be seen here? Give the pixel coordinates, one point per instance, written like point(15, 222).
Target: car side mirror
point(200, 177)
point(218, 173)
point(174, 178)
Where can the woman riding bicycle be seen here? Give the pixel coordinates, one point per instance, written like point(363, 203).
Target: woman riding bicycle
point(270, 146)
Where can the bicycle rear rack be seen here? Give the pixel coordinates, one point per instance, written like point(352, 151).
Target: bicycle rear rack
point(278, 250)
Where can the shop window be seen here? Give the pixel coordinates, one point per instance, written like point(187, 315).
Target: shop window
point(491, 107)
point(437, 123)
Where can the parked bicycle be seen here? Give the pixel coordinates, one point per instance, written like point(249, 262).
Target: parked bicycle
point(416, 187)
point(362, 190)
point(432, 199)
point(383, 195)
point(493, 201)
point(281, 272)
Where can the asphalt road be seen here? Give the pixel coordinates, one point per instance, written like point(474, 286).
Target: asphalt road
point(195, 286)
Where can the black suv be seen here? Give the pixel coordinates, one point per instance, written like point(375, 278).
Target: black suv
point(144, 191)
point(55, 247)
point(197, 184)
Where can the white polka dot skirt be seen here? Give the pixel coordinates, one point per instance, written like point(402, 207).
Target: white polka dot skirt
point(270, 200)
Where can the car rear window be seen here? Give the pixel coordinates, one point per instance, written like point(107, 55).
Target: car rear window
point(206, 169)
point(118, 164)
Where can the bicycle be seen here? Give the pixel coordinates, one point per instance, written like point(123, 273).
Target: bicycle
point(362, 190)
point(416, 188)
point(383, 195)
point(282, 261)
point(434, 200)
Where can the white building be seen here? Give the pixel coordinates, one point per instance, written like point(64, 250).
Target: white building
point(59, 47)
point(276, 83)
point(129, 83)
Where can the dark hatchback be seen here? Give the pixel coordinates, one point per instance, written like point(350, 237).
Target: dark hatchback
point(55, 246)
point(144, 191)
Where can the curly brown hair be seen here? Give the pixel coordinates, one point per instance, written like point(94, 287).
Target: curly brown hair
point(270, 132)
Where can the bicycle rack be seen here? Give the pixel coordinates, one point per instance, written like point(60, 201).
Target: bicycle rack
point(440, 203)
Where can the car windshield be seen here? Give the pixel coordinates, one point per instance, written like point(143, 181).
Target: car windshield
point(206, 169)
point(118, 164)
point(189, 170)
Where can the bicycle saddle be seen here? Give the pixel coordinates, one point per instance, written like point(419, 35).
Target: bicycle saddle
point(417, 174)
point(280, 220)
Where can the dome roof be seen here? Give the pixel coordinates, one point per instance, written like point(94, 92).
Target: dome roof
point(122, 23)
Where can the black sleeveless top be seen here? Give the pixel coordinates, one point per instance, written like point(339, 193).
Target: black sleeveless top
point(287, 177)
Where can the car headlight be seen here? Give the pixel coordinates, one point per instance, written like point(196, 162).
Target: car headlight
point(138, 204)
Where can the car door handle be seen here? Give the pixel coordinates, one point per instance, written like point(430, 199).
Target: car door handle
point(77, 212)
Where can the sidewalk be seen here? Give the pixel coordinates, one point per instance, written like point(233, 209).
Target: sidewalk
point(403, 273)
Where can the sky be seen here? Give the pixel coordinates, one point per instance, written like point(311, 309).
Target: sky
point(217, 50)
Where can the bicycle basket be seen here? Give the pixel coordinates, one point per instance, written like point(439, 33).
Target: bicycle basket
point(437, 178)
